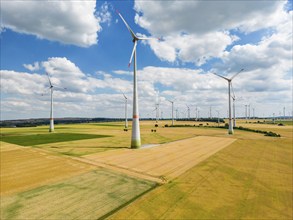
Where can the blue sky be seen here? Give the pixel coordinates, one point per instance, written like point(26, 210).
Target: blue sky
point(85, 47)
point(113, 40)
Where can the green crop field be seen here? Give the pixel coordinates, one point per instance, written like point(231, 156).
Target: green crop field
point(37, 139)
point(86, 196)
point(249, 179)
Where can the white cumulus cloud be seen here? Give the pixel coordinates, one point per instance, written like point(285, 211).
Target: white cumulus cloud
point(196, 31)
point(69, 22)
point(32, 67)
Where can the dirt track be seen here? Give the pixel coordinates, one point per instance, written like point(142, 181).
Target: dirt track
point(163, 162)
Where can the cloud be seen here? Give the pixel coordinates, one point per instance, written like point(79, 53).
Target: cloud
point(202, 17)
point(202, 29)
point(88, 96)
point(104, 14)
point(267, 79)
point(32, 67)
point(21, 83)
point(69, 22)
point(21, 92)
point(122, 72)
point(192, 47)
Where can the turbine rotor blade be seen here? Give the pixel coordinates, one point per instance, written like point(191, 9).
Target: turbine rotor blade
point(45, 92)
point(60, 87)
point(221, 76)
point(131, 32)
point(123, 93)
point(236, 74)
point(49, 79)
point(146, 38)
point(134, 49)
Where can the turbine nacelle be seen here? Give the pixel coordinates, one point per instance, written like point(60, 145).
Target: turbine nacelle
point(53, 86)
point(229, 79)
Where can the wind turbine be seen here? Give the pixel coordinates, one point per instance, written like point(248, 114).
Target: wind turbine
point(196, 115)
point(246, 112)
point(234, 113)
point(188, 112)
point(157, 107)
point(229, 98)
point(135, 138)
point(172, 102)
point(126, 122)
point(51, 129)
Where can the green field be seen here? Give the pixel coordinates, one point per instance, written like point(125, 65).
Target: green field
point(37, 139)
point(87, 196)
point(83, 139)
point(249, 179)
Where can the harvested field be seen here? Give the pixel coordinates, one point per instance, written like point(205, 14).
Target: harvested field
point(86, 196)
point(250, 179)
point(166, 161)
point(247, 178)
point(25, 168)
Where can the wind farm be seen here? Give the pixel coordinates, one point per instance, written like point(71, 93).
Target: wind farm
point(161, 138)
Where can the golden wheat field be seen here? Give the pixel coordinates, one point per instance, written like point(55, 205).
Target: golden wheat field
point(88, 171)
point(165, 161)
point(26, 168)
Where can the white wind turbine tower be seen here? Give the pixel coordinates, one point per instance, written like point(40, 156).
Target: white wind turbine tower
point(246, 113)
point(172, 102)
point(126, 122)
point(229, 98)
point(234, 113)
point(157, 107)
point(188, 112)
point(51, 129)
point(135, 138)
point(196, 113)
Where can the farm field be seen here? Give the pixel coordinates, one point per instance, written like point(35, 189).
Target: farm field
point(207, 174)
point(86, 196)
point(249, 179)
point(36, 184)
point(25, 168)
point(166, 161)
point(95, 138)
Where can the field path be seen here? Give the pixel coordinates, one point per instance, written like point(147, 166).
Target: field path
point(161, 163)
